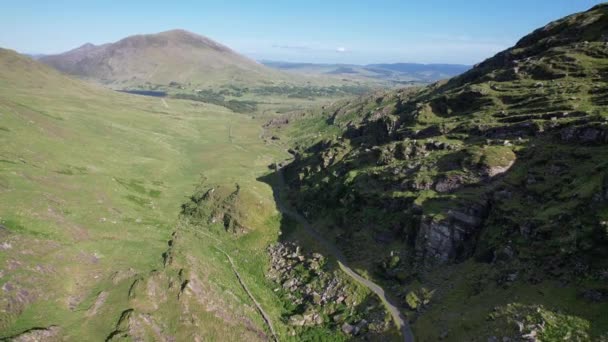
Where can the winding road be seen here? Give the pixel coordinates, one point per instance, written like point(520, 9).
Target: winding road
point(398, 317)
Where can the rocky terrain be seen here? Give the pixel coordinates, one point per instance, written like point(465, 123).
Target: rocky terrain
point(312, 291)
point(318, 296)
point(500, 169)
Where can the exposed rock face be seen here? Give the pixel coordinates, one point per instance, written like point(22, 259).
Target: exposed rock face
point(593, 135)
point(450, 238)
point(449, 183)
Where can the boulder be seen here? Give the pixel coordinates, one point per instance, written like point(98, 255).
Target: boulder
point(449, 183)
point(348, 329)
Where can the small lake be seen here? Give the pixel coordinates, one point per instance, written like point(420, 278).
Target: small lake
point(154, 93)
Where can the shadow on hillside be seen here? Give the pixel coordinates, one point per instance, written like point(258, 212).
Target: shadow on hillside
point(545, 171)
point(312, 242)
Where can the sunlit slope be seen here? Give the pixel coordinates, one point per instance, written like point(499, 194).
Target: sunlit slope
point(90, 187)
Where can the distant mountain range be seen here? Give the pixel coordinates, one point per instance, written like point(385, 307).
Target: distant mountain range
point(179, 56)
point(395, 72)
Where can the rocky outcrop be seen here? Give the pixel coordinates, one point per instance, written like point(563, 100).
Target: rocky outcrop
point(51, 333)
point(441, 241)
point(591, 134)
point(496, 170)
point(304, 278)
point(306, 282)
point(503, 165)
point(449, 183)
point(209, 206)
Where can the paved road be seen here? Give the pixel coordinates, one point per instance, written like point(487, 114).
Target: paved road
point(398, 318)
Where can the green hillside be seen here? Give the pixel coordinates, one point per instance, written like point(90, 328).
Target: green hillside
point(481, 201)
point(91, 184)
point(107, 233)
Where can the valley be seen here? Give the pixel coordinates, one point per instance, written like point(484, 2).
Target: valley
point(164, 187)
point(92, 201)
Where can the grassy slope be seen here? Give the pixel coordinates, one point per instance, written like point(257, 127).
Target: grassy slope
point(90, 185)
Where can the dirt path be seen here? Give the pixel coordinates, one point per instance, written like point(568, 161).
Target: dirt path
point(398, 317)
point(258, 306)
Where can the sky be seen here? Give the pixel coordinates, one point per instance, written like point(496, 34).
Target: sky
point(338, 31)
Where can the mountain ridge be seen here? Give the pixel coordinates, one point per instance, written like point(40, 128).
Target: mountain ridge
point(161, 58)
point(476, 195)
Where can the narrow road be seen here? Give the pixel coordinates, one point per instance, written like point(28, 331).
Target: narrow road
point(164, 103)
point(398, 317)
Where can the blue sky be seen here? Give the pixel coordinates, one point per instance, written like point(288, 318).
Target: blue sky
point(339, 31)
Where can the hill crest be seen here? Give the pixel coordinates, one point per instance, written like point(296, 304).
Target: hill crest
point(161, 58)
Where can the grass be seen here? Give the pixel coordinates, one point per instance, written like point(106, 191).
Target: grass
point(92, 186)
point(465, 308)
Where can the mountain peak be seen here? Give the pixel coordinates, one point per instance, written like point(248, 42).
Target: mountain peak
point(175, 32)
point(174, 37)
point(170, 56)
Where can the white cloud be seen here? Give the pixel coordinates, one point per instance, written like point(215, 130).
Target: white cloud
point(341, 49)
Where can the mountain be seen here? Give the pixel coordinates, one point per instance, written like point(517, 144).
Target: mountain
point(395, 73)
point(480, 202)
point(172, 56)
